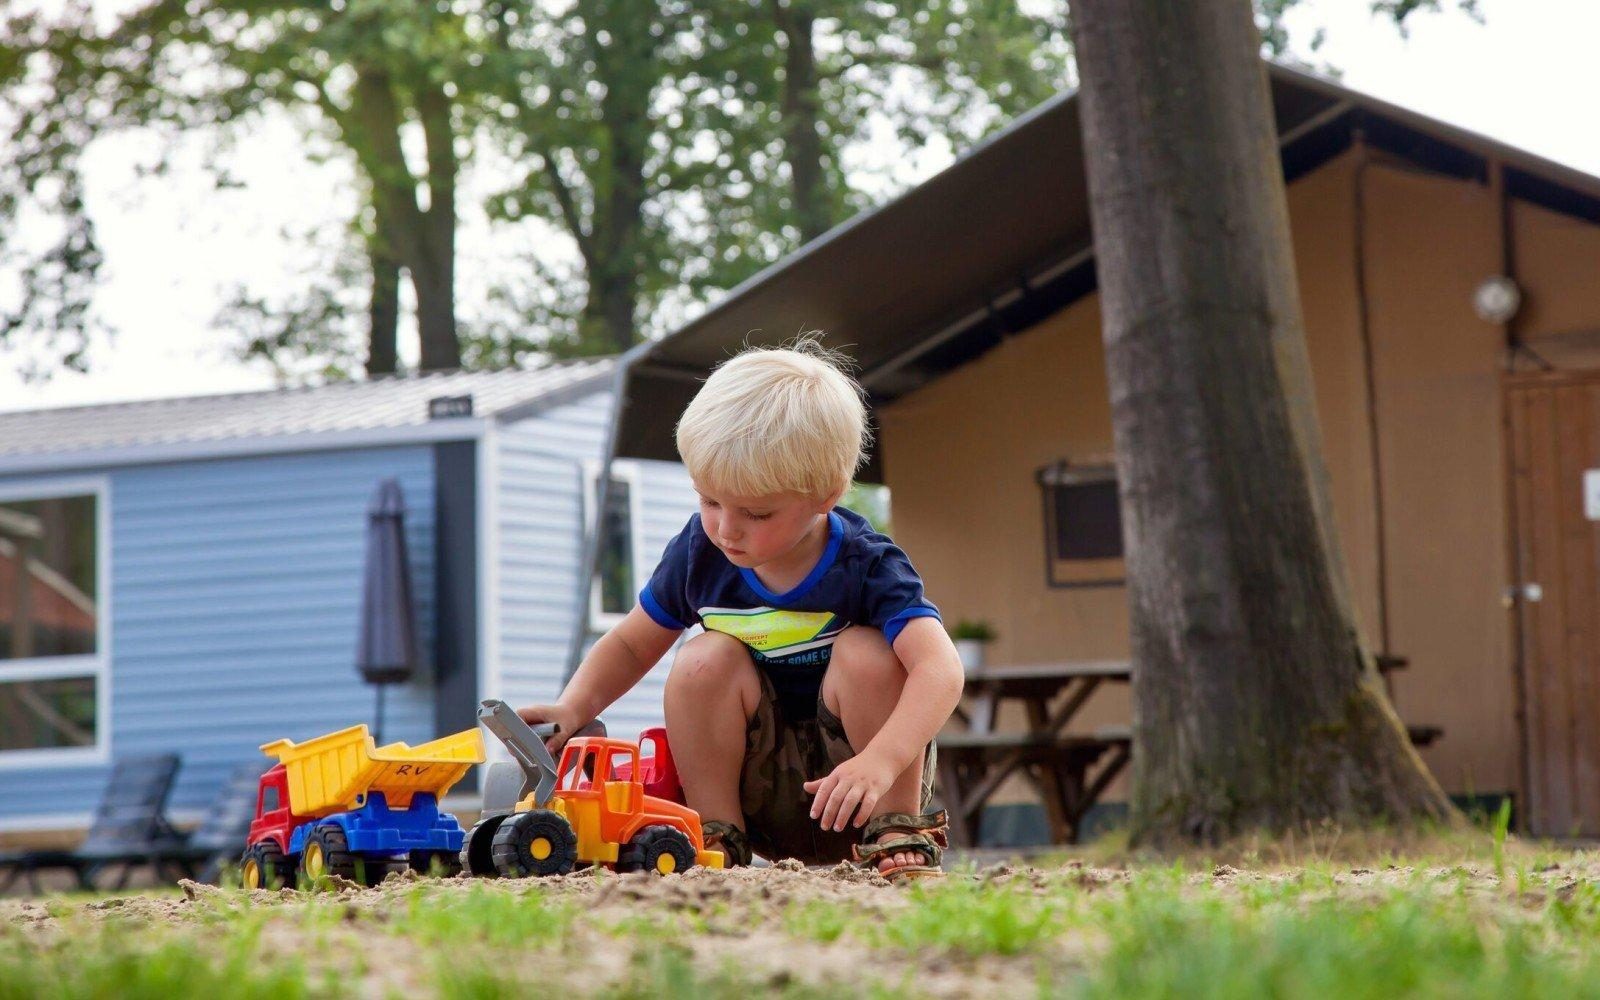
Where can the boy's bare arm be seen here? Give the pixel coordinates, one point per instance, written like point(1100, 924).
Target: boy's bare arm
point(612, 667)
point(934, 680)
point(933, 686)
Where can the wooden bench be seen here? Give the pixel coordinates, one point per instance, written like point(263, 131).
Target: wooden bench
point(1069, 772)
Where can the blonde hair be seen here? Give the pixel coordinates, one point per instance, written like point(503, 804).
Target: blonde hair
point(777, 420)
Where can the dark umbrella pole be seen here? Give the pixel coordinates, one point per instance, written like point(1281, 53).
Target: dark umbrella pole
point(386, 652)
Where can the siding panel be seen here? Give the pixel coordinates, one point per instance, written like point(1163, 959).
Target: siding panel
point(539, 502)
point(235, 593)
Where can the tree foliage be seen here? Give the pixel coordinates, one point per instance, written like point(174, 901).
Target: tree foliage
point(647, 153)
point(373, 78)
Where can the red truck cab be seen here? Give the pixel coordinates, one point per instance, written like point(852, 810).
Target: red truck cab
point(274, 821)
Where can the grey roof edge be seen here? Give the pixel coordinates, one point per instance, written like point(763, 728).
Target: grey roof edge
point(569, 393)
point(123, 456)
point(102, 456)
point(354, 385)
point(1491, 148)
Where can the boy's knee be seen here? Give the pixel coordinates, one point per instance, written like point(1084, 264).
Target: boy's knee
point(712, 662)
point(862, 658)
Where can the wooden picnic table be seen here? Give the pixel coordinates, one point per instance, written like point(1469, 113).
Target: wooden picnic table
point(1070, 771)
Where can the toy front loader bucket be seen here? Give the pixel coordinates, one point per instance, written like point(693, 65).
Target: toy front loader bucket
point(333, 773)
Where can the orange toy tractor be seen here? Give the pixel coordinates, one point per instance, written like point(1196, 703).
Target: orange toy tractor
point(591, 809)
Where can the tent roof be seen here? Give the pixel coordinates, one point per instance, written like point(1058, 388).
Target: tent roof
point(999, 240)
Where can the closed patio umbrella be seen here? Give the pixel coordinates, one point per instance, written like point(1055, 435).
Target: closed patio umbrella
point(386, 652)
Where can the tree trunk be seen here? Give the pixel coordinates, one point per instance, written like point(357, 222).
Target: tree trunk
point(436, 317)
point(422, 240)
point(613, 254)
point(434, 276)
point(802, 108)
point(1255, 706)
point(383, 311)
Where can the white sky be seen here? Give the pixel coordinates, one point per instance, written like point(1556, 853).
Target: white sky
point(1527, 77)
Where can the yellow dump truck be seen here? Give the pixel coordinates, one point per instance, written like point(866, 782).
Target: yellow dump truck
point(341, 805)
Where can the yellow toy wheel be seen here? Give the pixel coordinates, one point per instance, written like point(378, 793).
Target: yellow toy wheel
point(263, 867)
point(327, 853)
point(538, 842)
point(314, 862)
point(660, 849)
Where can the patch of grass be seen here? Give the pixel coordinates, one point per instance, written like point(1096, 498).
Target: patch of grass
point(670, 973)
point(112, 961)
point(1277, 941)
point(974, 919)
point(958, 915)
point(483, 914)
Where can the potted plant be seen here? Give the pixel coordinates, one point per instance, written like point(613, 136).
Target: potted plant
point(970, 638)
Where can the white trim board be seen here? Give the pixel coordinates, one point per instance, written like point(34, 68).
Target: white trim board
point(453, 429)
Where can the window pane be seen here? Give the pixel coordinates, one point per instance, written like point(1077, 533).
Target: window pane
point(1088, 522)
point(614, 566)
point(36, 715)
point(48, 604)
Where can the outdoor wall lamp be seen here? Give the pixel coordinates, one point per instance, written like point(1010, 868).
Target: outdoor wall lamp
point(1496, 299)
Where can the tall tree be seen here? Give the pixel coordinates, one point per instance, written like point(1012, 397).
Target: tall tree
point(380, 73)
point(1255, 704)
point(593, 151)
point(812, 81)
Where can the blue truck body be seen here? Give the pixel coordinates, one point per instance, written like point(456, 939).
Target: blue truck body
point(375, 829)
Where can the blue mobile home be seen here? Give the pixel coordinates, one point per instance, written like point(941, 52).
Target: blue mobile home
point(185, 574)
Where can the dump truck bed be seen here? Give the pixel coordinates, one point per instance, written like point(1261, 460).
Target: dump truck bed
point(335, 772)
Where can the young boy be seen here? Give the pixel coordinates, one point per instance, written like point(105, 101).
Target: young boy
point(811, 701)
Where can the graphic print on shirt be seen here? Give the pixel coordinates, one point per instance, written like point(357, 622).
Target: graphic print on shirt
point(773, 635)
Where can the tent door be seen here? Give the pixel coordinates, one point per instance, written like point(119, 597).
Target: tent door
point(1553, 422)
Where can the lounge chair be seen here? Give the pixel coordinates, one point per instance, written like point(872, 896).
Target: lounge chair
point(219, 841)
point(129, 828)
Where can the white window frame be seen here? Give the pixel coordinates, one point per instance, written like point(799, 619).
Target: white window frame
point(628, 472)
point(97, 664)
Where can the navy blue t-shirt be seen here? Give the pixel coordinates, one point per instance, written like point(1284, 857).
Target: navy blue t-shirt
point(862, 579)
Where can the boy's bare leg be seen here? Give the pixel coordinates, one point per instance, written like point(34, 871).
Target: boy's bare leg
point(862, 687)
point(711, 694)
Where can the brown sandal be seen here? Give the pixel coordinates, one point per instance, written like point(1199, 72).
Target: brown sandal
point(729, 839)
point(927, 834)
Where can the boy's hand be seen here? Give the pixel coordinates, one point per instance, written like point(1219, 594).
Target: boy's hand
point(853, 788)
point(561, 715)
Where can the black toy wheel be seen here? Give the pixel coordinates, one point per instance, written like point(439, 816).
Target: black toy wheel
point(662, 849)
point(327, 853)
point(446, 864)
point(264, 867)
point(379, 870)
point(540, 842)
point(477, 851)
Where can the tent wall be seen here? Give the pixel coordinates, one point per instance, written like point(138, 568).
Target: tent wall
point(1412, 443)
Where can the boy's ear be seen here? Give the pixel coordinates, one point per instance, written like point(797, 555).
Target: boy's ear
point(833, 501)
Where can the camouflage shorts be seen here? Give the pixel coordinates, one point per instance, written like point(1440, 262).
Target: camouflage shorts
point(779, 758)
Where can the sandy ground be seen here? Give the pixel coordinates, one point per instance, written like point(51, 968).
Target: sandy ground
point(738, 916)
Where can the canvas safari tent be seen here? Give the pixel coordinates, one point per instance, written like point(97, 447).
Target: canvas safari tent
point(1464, 452)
